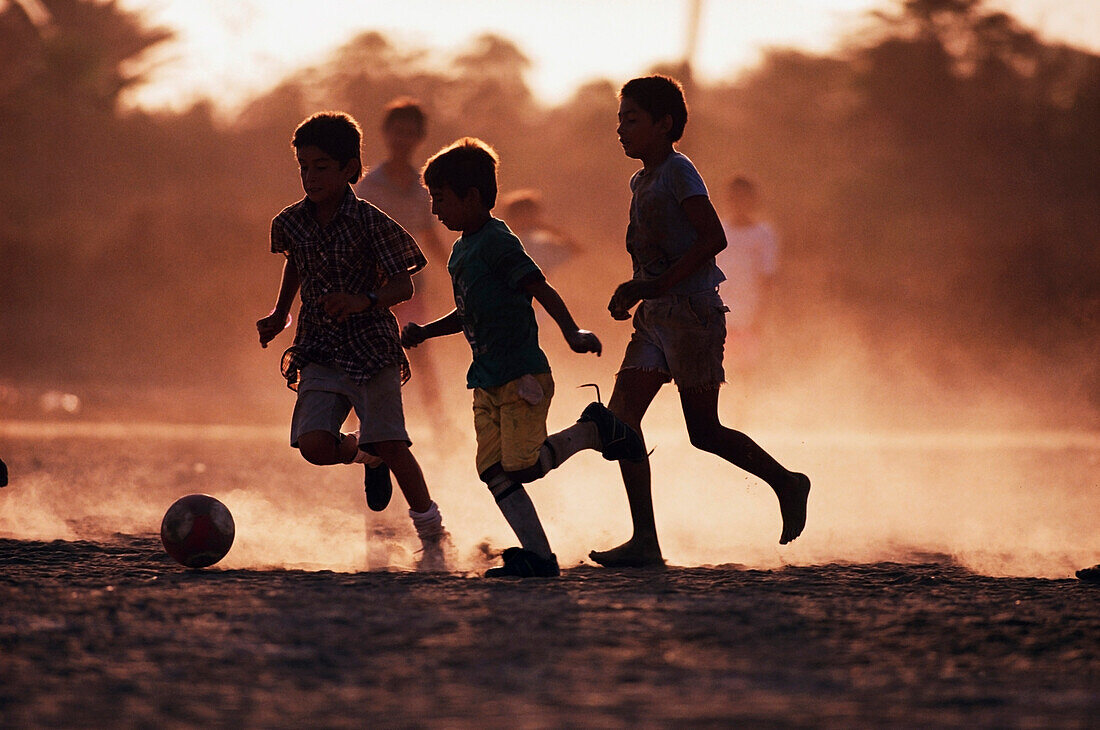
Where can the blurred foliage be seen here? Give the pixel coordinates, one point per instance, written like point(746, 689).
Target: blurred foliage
point(936, 182)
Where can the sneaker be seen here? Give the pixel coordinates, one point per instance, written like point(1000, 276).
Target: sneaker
point(377, 485)
point(618, 441)
point(433, 554)
point(520, 563)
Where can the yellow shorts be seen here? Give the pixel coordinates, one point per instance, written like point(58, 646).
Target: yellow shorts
point(510, 429)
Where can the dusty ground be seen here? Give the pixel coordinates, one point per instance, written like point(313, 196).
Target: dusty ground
point(932, 588)
point(112, 634)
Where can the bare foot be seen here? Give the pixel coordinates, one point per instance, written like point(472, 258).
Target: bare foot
point(630, 554)
point(792, 506)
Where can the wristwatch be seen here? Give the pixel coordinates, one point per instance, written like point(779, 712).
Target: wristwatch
point(373, 298)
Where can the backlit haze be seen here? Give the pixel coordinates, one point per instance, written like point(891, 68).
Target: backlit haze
point(228, 50)
point(930, 346)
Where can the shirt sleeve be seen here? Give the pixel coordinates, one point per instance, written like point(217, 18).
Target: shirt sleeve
point(280, 242)
point(508, 258)
point(395, 250)
point(684, 181)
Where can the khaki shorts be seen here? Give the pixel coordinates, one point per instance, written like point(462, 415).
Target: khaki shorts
point(326, 395)
point(511, 430)
point(681, 337)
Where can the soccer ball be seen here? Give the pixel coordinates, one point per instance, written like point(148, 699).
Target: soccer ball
point(197, 530)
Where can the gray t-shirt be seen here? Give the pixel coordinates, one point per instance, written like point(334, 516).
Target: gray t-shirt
point(659, 232)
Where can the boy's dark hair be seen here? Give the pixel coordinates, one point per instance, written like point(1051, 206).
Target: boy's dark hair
point(658, 96)
point(337, 134)
point(405, 108)
point(467, 163)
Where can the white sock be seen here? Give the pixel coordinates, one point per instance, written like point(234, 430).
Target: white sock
point(565, 443)
point(518, 509)
point(429, 523)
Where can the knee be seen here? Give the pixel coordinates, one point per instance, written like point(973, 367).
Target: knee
point(317, 447)
point(496, 479)
point(530, 474)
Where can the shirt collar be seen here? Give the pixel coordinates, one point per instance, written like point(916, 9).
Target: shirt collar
point(347, 205)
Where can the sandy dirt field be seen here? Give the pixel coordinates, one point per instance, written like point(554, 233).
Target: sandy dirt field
point(872, 619)
point(111, 634)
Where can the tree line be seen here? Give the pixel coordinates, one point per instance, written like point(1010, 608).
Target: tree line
point(935, 179)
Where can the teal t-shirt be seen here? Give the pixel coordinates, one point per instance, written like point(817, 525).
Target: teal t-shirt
point(498, 320)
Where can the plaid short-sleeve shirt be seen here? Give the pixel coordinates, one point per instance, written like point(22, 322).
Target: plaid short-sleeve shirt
point(355, 253)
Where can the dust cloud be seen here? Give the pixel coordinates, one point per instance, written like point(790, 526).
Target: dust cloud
point(929, 343)
point(1002, 501)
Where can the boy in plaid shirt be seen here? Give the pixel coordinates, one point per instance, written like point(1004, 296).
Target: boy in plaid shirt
point(351, 263)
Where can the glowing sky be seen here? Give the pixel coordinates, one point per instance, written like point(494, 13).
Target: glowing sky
point(228, 50)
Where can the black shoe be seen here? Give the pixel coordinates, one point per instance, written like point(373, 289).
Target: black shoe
point(618, 441)
point(377, 484)
point(520, 563)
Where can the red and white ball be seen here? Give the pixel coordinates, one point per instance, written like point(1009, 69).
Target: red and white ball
point(197, 530)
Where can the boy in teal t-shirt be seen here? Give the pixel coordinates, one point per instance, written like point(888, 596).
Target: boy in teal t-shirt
point(494, 282)
point(488, 269)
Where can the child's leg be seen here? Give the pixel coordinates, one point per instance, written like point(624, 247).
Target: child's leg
point(319, 411)
point(634, 391)
point(324, 449)
point(423, 512)
point(510, 431)
point(708, 434)
point(404, 467)
point(598, 428)
point(518, 510)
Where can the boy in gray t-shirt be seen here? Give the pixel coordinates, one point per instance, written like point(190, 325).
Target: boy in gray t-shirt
point(679, 326)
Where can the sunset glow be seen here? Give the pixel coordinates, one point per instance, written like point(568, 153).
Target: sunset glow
point(228, 51)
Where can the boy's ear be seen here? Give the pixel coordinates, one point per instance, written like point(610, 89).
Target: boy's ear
point(475, 200)
point(665, 124)
point(354, 168)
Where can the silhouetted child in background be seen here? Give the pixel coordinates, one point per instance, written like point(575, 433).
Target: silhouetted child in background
point(494, 281)
point(679, 327)
point(547, 245)
point(351, 263)
point(394, 187)
point(749, 263)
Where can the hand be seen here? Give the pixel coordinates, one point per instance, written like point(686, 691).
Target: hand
point(340, 305)
point(271, 325)
point(412, 335)
point(584, 341)
point(628, 294)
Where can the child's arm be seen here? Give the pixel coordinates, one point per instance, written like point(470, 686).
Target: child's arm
point(710, 239)
point(341, 305)
point(279, 319)
point(449, 324)
point(579, 340)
